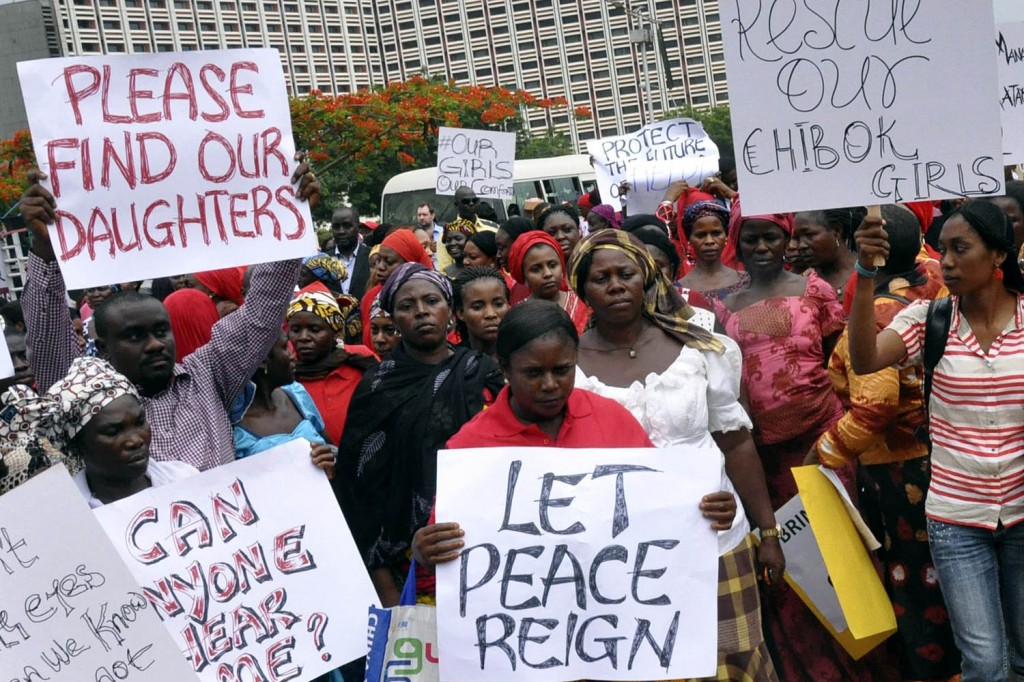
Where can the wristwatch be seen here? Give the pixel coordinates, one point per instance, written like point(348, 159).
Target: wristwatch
point(775, 532)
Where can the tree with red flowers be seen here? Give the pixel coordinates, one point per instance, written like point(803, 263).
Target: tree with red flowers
point(15, 160)
point(365, 138)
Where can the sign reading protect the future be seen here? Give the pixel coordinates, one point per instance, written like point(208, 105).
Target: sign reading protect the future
point(578, 564)
point(838, 103)
point(156, 160)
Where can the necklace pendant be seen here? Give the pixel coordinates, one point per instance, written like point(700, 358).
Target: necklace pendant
point(632, 353)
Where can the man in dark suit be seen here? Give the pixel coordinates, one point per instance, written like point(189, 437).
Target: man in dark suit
point(350, 250)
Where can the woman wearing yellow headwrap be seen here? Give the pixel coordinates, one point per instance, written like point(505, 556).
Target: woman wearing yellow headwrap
point(326, 367)
point(682, 384)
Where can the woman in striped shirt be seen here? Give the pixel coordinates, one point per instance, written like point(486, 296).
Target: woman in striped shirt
point(975, 502)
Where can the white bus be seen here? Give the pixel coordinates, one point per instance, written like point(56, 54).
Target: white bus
point(556, 180)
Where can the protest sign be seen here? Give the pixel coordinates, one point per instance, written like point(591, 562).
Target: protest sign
point(844, 104)
point(69, 609)
point(578, 564)
point(481, 159)
point(1010, 57)
point(251, 566)
point(1008, 10)
point(829, 566)
point(651, 159)
point(6, 364)
point(163, 163)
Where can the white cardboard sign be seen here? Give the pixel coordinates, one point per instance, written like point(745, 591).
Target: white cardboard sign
point(69, 609)
point(1010, 57)
point(481, 159)
point(650, 160)
point(6, 364)
point(838, 103)
point(804, 564)
point(578, 564)
point(251, 566)
point(166, 163)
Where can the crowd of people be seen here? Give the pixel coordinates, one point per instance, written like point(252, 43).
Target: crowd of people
point(773, 340)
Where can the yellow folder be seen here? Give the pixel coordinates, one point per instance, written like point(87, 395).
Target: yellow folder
point(865, 603)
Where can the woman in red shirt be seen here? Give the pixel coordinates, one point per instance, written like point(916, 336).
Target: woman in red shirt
point(537, 343)
point(326, 367)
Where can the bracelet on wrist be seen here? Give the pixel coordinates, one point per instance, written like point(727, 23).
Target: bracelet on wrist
point(775, 532)
point(869, 273)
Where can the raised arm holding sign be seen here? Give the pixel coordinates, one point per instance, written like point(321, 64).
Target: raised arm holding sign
point(188, 403)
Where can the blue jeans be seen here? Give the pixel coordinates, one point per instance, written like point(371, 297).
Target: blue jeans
point(982, 577)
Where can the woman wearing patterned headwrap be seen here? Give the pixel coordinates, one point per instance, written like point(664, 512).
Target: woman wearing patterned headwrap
point(456, 234)
point(382, 330)
point(403, 411)
point(704, 224)
point(603, 217)
point(327, 270)
point(682, 384)
point(94, 415)
point(536, 259)
point(328, 369)
point(786, 325)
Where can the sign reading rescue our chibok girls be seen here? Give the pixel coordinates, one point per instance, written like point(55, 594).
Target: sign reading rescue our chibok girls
point(69, 609)
point(578, 564)
point(251, 567)
point(168, 162)
point(837, 103)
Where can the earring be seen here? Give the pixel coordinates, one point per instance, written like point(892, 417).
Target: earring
point(339, 344)
point(998, 274)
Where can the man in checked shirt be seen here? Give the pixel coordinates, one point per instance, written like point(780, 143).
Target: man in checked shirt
point(186, 404)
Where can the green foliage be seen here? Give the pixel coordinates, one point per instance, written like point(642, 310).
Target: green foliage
point(716, 121)
point(551, 143)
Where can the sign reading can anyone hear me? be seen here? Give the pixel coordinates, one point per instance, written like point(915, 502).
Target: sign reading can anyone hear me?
point(579, 564)
point(251, 567)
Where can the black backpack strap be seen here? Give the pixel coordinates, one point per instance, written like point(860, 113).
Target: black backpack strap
point(936, 333)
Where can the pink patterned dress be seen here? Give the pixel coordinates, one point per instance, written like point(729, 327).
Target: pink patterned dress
point(792, 403)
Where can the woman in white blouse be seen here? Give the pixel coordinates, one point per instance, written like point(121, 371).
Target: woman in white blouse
point(975, 503)
point(681, 382)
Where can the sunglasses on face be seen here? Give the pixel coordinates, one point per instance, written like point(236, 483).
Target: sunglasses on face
point(467, 202)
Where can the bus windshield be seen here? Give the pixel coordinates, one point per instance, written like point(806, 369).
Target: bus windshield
point(399, 208)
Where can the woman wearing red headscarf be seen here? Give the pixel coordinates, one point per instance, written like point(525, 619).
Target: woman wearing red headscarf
point(224, 287)
point(536, 260)
point(193, 315)
point(401, 246)
point(786, 326)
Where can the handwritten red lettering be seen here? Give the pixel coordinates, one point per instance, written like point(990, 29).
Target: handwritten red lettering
point(236, 90)
point(188, 94)
point(135, 94)
point(212, 92)
point(76, 94)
